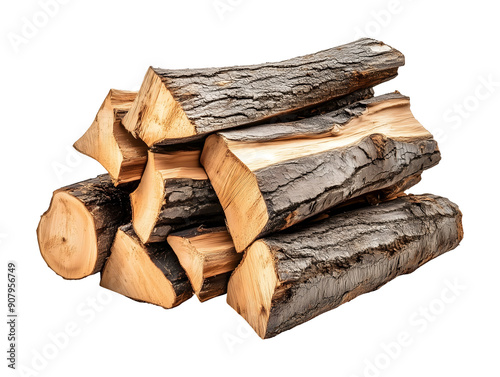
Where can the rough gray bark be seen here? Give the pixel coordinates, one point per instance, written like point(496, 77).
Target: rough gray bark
point(326, 124)
point(324, 264)
point(310, 185)
point(221, 98)
point(307, 112)
point(214, 99)
point(188, 203)
point(109, 207)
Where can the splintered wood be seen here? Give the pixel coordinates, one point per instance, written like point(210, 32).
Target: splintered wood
point(281, 184)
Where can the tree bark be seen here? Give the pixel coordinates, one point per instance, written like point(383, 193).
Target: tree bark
point(149, 273)
point(174, 194)
point(108, 142)
point(208, 257)
point(290, 277)
point(175, 104)
point(76, 232)
point(271, 177)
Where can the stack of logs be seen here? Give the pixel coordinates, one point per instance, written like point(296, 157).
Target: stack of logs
point(282, 184)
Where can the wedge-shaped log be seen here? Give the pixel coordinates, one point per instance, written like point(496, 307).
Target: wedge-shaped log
point(208, 257)
point(108, 142)
point(174, 194)
point(288, 278)
point(149, 273)
point(271, 177)
point(76, 232)
point(175, 104)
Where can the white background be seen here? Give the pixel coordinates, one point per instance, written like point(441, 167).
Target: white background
point(52, 84)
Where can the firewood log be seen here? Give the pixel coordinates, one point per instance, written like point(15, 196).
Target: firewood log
point(174, 194)
point(149, 273)
point(108, 142)
point(271, 177)
point(76, 232)
point(290, 277)
point(208, 257)
point(176, 104)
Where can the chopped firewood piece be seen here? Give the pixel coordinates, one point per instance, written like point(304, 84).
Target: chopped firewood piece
point(209, 258)
point(149, 273)
point(174, 194)
point(290, 277)
point(271, 177)
point(177, 104)
point(108, 142)
point(76, 232)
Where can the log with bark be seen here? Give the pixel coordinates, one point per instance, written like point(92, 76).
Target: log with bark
point(76, 232)
point(149, 273)
point(176, 104)
point(108, 142)
point(174, 194)
point(208, 257)
point(271, 177)
point(288, 278)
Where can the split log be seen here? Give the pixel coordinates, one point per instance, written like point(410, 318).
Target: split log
point(271, 177)
point(174, 194)
point(208, 257)
point(149, 273)
point(108, 142)
point(174, 104)
point(288, 278)
point(76, 232)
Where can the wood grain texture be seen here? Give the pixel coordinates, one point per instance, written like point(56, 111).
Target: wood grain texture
point(108, 142)
point(76, 232)
point(175, 104)
point(149, 273)
point(272, 177)
point(174, 194)
point(208, 257)
point(290, 277)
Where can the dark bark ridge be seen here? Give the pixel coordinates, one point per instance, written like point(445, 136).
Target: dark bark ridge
point(356, 252)
point(188, 203)
point(310, 185)
point(220, 98)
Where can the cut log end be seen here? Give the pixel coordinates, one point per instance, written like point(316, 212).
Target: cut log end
point(67, 238)
point(149, 198)
point(147, 201)
point(155, 115)
point(134, 271)
point(252, 285)
point(108, 142)
point(208, 257)
point(238, 192)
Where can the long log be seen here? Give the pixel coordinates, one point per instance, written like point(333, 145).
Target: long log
point(149, 273)
point(208, 257)
point(108, 142)
point(175, 104)
point(288, 278)
point(76, 232)
point(271, 177)
point(174, 194)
